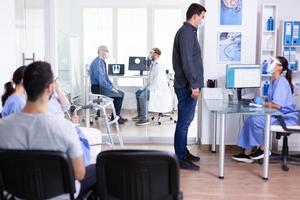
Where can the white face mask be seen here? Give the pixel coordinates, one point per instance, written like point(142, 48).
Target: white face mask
point(106, 55)
point(272, 67)
point(201, 24)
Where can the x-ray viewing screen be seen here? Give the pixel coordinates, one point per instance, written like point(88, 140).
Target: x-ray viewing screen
point(116, 69)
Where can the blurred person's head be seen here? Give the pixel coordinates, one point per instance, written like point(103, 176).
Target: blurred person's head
point(13, 85)
point(38, 82)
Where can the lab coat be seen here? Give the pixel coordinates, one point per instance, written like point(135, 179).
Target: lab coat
point(160, 94)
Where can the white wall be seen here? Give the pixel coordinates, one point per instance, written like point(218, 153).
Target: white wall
point(214, 70)
point(7, 41)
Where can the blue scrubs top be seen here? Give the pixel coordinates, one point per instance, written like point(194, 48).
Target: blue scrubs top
point(281, 94)
point(13, 104)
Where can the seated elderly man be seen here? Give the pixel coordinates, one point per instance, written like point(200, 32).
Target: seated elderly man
point(100, 83)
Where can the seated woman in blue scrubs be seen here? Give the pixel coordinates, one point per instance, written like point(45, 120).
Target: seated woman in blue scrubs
point(280, 97)
point(13, 99)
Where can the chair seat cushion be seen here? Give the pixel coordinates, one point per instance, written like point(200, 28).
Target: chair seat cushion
point(278, 128)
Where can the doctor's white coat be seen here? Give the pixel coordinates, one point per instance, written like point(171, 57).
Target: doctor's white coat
point(160, 95)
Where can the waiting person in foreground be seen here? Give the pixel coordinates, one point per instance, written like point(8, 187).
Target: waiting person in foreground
point(35, 129)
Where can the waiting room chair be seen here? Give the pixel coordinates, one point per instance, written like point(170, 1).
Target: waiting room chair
point(284, 131)
point(33, 174)
point(137, 175)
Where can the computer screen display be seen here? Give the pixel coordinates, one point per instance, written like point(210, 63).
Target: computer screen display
point(243, 76)
point(139, 63)
point(116, 69)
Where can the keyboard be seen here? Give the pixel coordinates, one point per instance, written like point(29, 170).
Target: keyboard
point(246, 101)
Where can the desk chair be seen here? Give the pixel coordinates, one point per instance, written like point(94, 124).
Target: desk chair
point(137, 175)
point(284, 131)
point(35, 174)
point(159, 116)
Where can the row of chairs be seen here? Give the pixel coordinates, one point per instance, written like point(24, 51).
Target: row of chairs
point(120, 174)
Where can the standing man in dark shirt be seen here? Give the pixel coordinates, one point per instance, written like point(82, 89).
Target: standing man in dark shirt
point(188, 68)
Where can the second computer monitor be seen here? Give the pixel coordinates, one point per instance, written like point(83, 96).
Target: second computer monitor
point(139, 64)
point(243, 76)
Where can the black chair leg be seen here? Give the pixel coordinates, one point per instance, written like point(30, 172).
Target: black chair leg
point(285, 154)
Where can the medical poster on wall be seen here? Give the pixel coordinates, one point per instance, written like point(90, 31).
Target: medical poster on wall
point(229, 47)
point(231, 12)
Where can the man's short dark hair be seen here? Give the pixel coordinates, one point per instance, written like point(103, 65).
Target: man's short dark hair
point(194, 8)
point(37, 77)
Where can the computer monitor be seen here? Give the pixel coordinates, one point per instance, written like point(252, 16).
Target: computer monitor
point(139, 64)
point(116, 69)
point(242, 76)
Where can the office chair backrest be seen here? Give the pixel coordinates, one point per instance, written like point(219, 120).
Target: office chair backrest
point(32, 174)
point(137, 175)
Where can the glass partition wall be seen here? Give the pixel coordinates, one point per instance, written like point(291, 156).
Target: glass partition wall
point(67, 33)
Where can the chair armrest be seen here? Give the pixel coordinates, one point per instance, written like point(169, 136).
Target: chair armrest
point(283, 124)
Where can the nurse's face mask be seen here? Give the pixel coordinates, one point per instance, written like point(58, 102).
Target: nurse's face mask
point(272, 67)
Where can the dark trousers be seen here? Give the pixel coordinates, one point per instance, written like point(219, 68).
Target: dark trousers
point(186, 112)
point(117, 97)
point(89, 181)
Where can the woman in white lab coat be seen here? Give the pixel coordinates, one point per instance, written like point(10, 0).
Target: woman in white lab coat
point(157, 92)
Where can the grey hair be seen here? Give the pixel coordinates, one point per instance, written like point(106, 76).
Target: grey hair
point(101, 47)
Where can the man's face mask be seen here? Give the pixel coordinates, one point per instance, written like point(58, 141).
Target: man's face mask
point(106, 55)
point(201, 23)
point(150, 56)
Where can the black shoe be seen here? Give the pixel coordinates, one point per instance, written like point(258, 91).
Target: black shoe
point(192, 158)
point(142, 122)
point(124, 119)
point(258, 154)
point(188, 165)
point(121, 121)
point(98, 113)
point(136, 118)
point(242, 158)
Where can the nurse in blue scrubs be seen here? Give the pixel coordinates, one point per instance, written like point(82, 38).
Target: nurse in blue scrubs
point(13, 99)
point(280, 97)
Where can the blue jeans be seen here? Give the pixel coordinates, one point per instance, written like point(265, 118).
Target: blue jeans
point(142, 98)
point(186, 112)
point(89, 181)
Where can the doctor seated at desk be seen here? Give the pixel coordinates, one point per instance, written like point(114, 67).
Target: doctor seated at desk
point(157, 91)
point(281, 98)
